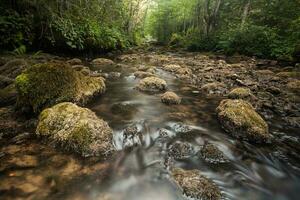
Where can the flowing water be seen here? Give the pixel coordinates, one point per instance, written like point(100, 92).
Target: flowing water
point(140, 169)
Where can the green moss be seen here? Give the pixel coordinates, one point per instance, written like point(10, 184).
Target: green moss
point(44, 85)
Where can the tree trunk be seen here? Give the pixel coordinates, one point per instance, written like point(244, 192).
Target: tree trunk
point(245, 13)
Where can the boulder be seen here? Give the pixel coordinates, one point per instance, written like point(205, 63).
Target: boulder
point(152, 84)
point(75, 128)
point(212, 88)
point(180, 150)
point(195, 185)
point(239, 118)
point(13, 68)
point(289, 75)
point(170, 98)
point(44, 85)
point(240, 93)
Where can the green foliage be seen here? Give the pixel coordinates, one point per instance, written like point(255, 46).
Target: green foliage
point(260, 28)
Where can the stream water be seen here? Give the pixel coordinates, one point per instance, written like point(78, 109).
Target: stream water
point(254, 172)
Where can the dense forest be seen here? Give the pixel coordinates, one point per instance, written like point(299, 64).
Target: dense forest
point(149, 99)
point(264, 28)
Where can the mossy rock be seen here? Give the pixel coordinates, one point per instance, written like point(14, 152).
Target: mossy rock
point(99, 63)
point(211, 154)
point(195, 185)
point(171, 67)
point(75, 128)
point(152, 84)
point(75, 61)
point(170, 98)
point(44, 85)
point(239, 118)
point(240, 93)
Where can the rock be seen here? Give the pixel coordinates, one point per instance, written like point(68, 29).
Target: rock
point(24, 161)
point(152, 84)
point(102, 62)
point(213, 88)
point(8, 95)
point(86, 71)
point(13, 68)
point(75, 61)
point(195, 185)
point(240, 93)
point(124, 109)
point(239, 118)
point(289, 75)
point(142, 74)
point(132, 136)
point(171, 68)
point(274, 90)
point(44, 85)
point(8, 125)
point(170, 98)
point(5, 81)
point(211, 154)
point(294, 86)
point(180, 150)
point(76, 128)
point(184, 71)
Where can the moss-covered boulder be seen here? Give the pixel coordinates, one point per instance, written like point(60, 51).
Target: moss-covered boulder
point(195, 185)
point(152, 84)
point(13, 68)
point(239, 118)
point(170, 98)
point(44, 85)
point(240, 93)
point(75, 61)
point(75, 128)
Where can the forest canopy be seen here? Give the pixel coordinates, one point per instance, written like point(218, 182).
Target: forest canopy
point(263, 28)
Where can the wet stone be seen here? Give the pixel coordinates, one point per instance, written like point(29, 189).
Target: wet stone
point(180, 150)
point(211, 154)
point(132, 136)
point(195, 185)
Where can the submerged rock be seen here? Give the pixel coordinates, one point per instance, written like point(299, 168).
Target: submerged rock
point(170, 98)
point(211, 154)
point(152, 84)
point(240, 93)
point(239, 118)
point(213, 88)
point(195, 185)
point(44, 85)
point(75, 128)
